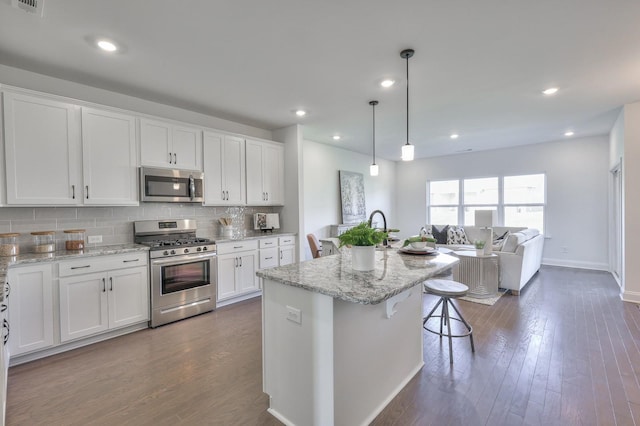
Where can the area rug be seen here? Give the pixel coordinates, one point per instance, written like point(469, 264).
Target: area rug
point(486, 301)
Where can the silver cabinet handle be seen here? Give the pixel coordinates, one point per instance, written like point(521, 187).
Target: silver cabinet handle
point(237, 247)
point(223, 195)
point(235, 262)
point(281, 253)
point(110, 283)
point(170, 158)
point(241, 262)
point(73, 192)
point(104, 285)
point(132, 260)
point(81, 267)
point(175, 158)
point(87, 187)
point(227, 195)
point(267, 258)
point(267, 196)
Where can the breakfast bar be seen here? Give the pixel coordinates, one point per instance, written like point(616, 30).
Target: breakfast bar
point(338, 344)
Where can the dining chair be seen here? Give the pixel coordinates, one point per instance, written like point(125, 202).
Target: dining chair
point(314, 245)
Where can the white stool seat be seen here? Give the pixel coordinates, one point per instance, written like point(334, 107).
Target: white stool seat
point(447, 288)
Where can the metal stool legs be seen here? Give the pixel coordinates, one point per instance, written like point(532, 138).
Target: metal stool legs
point(445, 320)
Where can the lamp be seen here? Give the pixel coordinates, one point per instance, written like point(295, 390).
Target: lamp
point(486, 219)
point(407, 148)
point(373, 169)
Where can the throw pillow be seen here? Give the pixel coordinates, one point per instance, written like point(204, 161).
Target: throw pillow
point(498, 242)
point(502, 237)
point(456, 235)
point(440, 234)
point(429, 230)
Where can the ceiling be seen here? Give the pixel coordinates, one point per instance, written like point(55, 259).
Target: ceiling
point(478, 70)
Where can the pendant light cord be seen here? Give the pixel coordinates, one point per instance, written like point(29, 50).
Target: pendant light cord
point(374, 133)
point(407, 100)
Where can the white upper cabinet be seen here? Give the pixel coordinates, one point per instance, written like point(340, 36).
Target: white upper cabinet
point(265, 173)
point(170, 146)
point(109, 158)
point(42, 151)
point(223, 160)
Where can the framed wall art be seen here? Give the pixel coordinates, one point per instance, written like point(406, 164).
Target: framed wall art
point(352, 197)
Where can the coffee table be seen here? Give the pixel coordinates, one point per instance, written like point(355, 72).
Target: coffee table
point(480, 273)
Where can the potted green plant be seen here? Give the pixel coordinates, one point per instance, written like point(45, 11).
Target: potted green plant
point(479, 245)
point(363, 240)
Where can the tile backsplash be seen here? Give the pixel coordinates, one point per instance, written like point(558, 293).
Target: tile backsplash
point(115, 224)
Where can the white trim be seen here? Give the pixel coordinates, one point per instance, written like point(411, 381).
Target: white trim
point(630, 296)
point(597, 266)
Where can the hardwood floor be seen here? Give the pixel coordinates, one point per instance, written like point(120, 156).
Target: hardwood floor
point(565, 352)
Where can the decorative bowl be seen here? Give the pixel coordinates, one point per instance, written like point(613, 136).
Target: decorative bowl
point(418, 245)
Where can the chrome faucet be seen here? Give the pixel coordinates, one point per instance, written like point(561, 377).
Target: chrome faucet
point(384, 220)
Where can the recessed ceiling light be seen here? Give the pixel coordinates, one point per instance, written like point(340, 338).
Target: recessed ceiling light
point(569, 133)
point(336, 137)
point(301, 113)
point(454, 136)
point(107, 45)
point(550, 91)
point(387, 83)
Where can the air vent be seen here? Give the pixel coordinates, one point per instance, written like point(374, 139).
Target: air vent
point(30, 6)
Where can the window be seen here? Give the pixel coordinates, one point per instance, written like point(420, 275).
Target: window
point(518, 200)
point(444, 198)
point(524, 200)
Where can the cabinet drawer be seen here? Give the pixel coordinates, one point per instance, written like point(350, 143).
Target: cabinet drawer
point(268, 258)
point(286, 241)
point(237, 246)
point(268, 242)
point(102, 263)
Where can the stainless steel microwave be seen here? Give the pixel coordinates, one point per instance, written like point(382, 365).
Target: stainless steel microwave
point(171, 186)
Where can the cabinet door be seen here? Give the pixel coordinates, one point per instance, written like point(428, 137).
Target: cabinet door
point(30, 308)
point(213, 169)
point(255, 193)
point(233, 159)
point(155, 143)
point(269, 258)
point(128, 294)
point(227, 265)
point(187, 148)
point(273, 174)
point(83, 306)
point(42, 150)
point(109, 158)
point(287, 255)
point(246, 272)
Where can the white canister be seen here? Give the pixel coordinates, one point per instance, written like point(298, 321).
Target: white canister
point(227, 231)
point(363, 258)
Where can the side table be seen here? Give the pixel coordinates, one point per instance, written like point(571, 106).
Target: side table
point(480, 273)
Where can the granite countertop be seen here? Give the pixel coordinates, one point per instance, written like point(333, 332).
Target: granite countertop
point(333, 275)
point(27, 258)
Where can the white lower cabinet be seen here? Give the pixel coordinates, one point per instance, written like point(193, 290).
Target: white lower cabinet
point(30, 306)
point(237, 265)
point(107, 299)
point(287, 249)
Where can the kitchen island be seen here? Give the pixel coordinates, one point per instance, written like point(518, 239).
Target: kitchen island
point(338, 344)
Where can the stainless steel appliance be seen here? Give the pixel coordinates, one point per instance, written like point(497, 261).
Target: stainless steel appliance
point(171, 186)
point(183, 269)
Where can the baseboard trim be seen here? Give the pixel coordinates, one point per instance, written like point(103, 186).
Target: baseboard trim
point(597, 266)
point(630, 296)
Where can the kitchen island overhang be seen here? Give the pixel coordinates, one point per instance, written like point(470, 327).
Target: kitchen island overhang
point(338, 344)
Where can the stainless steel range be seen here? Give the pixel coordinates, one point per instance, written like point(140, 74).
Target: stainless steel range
point(183, 269)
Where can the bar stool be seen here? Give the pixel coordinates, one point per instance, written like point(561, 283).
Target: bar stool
point(447, 290)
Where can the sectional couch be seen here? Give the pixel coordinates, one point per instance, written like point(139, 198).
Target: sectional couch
point(520, 251)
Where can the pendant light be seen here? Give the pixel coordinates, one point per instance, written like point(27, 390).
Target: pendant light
point(407, 148)
point(373, 168)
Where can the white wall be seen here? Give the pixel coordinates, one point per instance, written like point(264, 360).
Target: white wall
point(577, 187)
point(631, 203)
point(39, 82)
point(321, 164)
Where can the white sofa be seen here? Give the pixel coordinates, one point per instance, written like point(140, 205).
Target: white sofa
point(520, 254)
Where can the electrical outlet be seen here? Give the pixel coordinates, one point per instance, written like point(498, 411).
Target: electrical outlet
point(94, 239)
point(294, 315)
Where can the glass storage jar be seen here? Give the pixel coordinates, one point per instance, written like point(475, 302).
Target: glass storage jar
point(74, 239)
point(44, 241)
point(9, 244)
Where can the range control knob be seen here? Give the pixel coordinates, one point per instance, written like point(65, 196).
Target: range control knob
point(199, 249)
point(186, 250)
point(173, 252)
point(204, 248)
point(166, 253)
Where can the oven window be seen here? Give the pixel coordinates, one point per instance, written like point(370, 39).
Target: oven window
point(185, 276)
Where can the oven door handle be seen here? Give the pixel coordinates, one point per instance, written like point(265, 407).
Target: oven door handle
point(182, 259)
